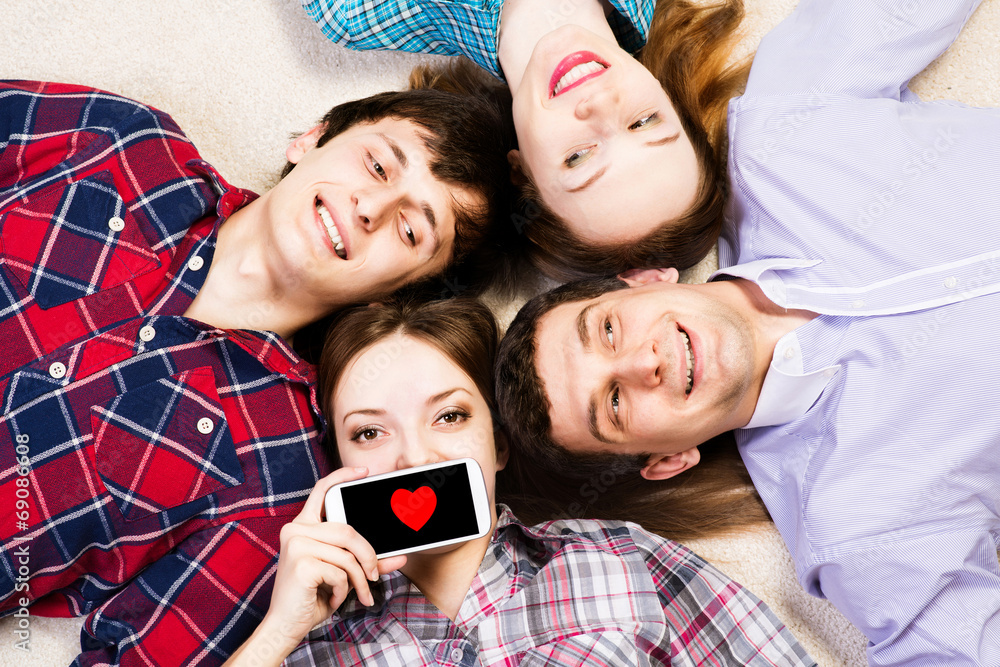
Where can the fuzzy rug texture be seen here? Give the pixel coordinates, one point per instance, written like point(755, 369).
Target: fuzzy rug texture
point(240, 76)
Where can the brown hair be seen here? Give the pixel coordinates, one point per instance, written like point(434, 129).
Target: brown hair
point(688, 52)
point(468, 137)
point(545, 480)
point(463, 329)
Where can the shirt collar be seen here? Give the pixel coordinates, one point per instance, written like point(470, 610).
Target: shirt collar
point(230, 198)
point(787, 392)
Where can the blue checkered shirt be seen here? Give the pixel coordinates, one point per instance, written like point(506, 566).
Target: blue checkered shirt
point(448, 27)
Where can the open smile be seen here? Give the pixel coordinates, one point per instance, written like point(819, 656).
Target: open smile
point(332, 230)
point(689, 361)
point(574, 70)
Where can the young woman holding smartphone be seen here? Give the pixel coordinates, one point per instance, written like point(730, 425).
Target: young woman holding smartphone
point(407, 384)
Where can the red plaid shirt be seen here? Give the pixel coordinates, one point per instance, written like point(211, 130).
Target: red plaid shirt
point(147, 461)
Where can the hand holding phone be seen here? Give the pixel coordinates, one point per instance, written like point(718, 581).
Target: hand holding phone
point(319, 563)
point(415, 509)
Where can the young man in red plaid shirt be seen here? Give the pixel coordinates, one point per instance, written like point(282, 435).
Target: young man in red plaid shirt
point(157, 429)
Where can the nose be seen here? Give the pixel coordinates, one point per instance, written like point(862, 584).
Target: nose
point(600, 102)
point(416, 450)
point(375, 206)
point(643, 365)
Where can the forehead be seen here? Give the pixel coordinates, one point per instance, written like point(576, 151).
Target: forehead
point(398, 366)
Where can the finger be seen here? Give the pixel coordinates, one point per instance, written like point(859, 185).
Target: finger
point(391, 564)
point(311, 558)
point(340, 586)
point(346, 537)
point(312, 511)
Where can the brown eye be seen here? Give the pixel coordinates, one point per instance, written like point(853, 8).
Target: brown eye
point(453, 417)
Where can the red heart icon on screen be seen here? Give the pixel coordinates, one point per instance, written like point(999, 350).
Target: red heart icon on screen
point(414, 509)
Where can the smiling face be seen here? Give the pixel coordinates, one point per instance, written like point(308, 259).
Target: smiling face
point(601, 139)
point(657, 368)
point(361, 215)
point(402, 403)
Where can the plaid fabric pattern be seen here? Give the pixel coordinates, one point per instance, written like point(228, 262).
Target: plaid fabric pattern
point(565, 593)
point(448, 27)
point(152, 489)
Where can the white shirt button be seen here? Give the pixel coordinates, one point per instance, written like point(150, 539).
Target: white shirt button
point(57, 369)
point(951, 282)
point(147, 333)
point(858, 304)
point(457, 655)
point(195, 263)
point(205, 425)
point(789, 352)
point(116, 224)
point(830, 372)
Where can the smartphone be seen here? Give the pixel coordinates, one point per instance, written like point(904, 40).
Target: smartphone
point(415, 509)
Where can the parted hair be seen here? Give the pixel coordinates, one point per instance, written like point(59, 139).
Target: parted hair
point(463, 329)
point(544, 480)
point(688, 51)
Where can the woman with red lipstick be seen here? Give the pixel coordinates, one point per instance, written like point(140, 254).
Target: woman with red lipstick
point(619, 165)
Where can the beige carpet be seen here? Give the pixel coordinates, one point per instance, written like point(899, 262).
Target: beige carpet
point(241, 75)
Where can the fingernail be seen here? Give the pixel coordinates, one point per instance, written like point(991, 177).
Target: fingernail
point(360, 469)
point(373, 575)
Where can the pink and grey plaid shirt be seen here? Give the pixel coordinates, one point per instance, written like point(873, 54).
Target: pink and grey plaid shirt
point(577, 592)
point(147, 461)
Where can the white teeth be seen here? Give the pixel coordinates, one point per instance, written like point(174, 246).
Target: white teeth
point(690, 362)
point(576, 74)
point(331, 229)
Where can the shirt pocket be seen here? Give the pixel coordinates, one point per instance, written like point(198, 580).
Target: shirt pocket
point(164, 444)
point(70, 241)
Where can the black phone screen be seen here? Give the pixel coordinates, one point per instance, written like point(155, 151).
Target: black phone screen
point(412, 510)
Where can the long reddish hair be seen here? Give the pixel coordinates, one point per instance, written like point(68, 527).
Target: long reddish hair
point(688, 51)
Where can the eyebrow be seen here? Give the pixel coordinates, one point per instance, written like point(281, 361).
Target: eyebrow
point(445, 394)
point(582, 331)
point(365, 411)
point(582, 327)
point(396, 150)
point(590, 181)
point(592, 423)
point(424, 205)
point(664, 140)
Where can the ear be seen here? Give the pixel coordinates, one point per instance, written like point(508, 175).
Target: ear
point(517, 176)
point(303, 143)
point(502, 448)
point(664, 467)
point(636, 277)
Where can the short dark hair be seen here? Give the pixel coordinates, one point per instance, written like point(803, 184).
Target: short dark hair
point(521, 399)
point(545, 481)
point(468, 138)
